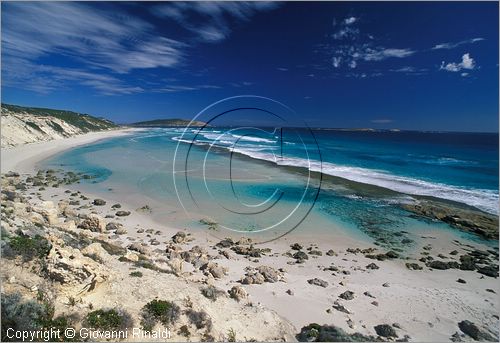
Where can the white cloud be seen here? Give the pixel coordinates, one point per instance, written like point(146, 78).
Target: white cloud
point(467, 63)
point(350, 47)
point(215, 15)
point(109, 40)
point(464, 74)
point(454, 45)
point(350, 20)
point(336, 61)
point(379, 54)
point(282, 69)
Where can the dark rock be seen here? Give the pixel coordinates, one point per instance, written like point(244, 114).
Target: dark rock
point(99, 202)
point(454, 252)
point(330, 333)
point(113, 226)
point(296, 246)
point(368, 294)
point(116, 206)
point(340, 307)
point(316, 253)
point(372, 266)
point(467, 263)
point(438, 265)
point(347, 295)
point(392, 254)
point(491, 271)
point(225, 243)
point(179, 237)
point(413, 266)
point(461, 281)
point(318, 282)
point(289, 292)
point(385, 330)
point(300, 255)
point(122, 213)
point(330, 252)
point(471, 330)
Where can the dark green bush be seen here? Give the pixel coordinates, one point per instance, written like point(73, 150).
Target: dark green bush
point(162, 311)
point(30, 247)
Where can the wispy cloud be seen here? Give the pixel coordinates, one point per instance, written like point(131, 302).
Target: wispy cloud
point(107, 39)
point(282, 69)
point(216, 16)
point(467, 63)
point(177, 88)
point(350, 46)
point(101, 45)
point(456, 44)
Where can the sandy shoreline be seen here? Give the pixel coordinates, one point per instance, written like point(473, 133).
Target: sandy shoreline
point(424, 304)
point(24, 158)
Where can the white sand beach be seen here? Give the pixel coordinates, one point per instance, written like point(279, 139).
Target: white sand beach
point(23, 158)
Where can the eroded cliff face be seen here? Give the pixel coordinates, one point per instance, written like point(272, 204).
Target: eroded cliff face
point(22, 125)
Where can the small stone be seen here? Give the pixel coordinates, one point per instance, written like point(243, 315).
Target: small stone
point(386, 284)
point(99, 202)
point(122, 213)
point(461, 281)
point(289, 292)
point(347, 295)
point(318, 282)
point(372, 266)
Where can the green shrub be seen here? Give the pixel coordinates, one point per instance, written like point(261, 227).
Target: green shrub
point(136, 274)
point(108, 319)
point(162, 311)
point(30, 247)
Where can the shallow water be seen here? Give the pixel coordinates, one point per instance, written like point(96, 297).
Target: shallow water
point(245, 194)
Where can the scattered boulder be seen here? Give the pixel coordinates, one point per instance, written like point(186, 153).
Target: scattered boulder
point(491, 271)
point(372, 266)
point(179, 237)
point(99, 202)
point(94, 223)
point(473, 331)
point(122, 213)
point(143, 249)
point(296, 246)
point(176, 265)
point(331, 253)
point(300, 256)
point(347, 295)
point(68, 265)
point(413, 266)
point(270, 274)
point(385, 330)
point(318, 282)
point(214, 269)
point(112, 226)
point(330, 333)
point(238, 293)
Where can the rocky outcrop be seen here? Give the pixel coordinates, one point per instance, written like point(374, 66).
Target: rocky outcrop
point(69, 266)
point(22, 125)
point(464, 218)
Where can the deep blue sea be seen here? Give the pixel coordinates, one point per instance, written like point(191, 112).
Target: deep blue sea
point(221, 173)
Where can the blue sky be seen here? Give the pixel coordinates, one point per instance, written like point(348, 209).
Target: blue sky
point(415, 65)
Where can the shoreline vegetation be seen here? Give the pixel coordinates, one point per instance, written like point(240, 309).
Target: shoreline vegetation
point(73, 259)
